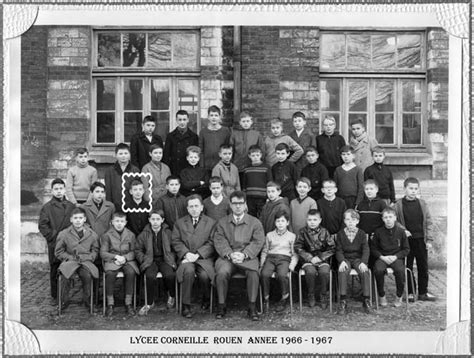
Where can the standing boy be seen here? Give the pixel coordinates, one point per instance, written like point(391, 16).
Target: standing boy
point(140, 142)
point(349, 179)
point(363, 144)
point(227, 170)
point(139, 207)
point(382, 176)
point(254, 181)
point(331, 207)
point(172, 203)
point(176, 143)
point(276, 138)
point(159, 171)
point(53, 218)
point(217, 205)
point(303, 136)
point(98, 210)
point(413, 213)
point(194, 178)
point(284, 171)
point(301, 205)
point(315, 172)
point(329, 145)
point(80, 178)
point(274, 204)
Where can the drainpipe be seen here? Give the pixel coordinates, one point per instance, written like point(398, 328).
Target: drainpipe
point(237, 73)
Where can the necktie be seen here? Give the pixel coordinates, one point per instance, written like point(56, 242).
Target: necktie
point(195, 222)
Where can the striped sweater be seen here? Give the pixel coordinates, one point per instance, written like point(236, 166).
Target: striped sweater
point(255, 179)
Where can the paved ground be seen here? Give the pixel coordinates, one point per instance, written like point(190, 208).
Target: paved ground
point(39, 313)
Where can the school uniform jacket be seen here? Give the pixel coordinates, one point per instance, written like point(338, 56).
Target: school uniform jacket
point(427, 219)
point(186, 238)
point(140, 148)
point(54, 217)
point(99, 220)
point(144, 247)
point(247, 237)
point(229, 175)
point(174, 153)
point(174, 207)
point(112, 244)
point(113, 183)
point(75, 251)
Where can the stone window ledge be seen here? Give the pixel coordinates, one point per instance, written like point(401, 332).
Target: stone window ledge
point(408, 158)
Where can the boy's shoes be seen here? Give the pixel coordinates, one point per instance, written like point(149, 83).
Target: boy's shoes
point(220, 313)
point(367, 305)
point(324, 301)
point(64, 305)
point(427, 297)
point(342, 307)
point(144, 310)
point(411, 297)
point(130, 310)
point(171, 302)
point(383, 301)
point(187, 311)
point(266, 305)
point(398, 301)
point(110, 311)
point(252, 313)
point(281, 305)
point(311, 300)
point(205, 304)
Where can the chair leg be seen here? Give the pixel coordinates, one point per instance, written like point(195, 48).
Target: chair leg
point(180, 298)
point(211, 297)
point(261, 298)
point(59, 294)
point(176, 294)
point(376, 294)
point(290, 291)
point(330, 290)
point(135, 292)
point(104, 290)
point(300, 292)
point(91, 309)
point(370, 286)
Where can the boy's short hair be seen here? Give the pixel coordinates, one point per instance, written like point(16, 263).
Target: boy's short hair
point(312, 212)
point(182, 112)
point(346, 149)
point(214, 109)
point(173, 177)
point(354, 214)
point(193, 149)
point(378, 149)
point(255, 148)
point(410, 180)
point(303, 180)
point(121, 146)
point(358, 121)
point(57, 181)
point(330, 118)
point(81, 151)
point(389, 210)
point(97, 184)
point(273, 184)
point(329, 181)
point(276, 121)
point(135, 182)
point(119, 214)
point(371, 182)
point(311, 149)
point(216, 179)
point(298, 114)
point(158, 212)
point(148, 119)
point(76, 211)
point(225, 146)
point(282, 214)
point(155, 146)
point(238, 194)
point(245, 114)
point(282, 146)
point(194, 197)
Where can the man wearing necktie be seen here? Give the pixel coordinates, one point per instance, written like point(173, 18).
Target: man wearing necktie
point(192, 241)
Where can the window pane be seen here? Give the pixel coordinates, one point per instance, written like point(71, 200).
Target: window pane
point(188, 95)
point(384, 96)
point(383, 51)
point(108, 50)
point(133, 94)
point(134, 49)
point(358, 51)
point(159, 50)
point(160, 94)
point(193, 118)
point(105, 94)
point(384, 128)
point(409, 51)
point(185, 50)
point(105, 127)
point(411, 96)
point(330, 95)
point(411, 128)
point(132, 124)
point(162, 123)
point(358, 96)
point(333, 51)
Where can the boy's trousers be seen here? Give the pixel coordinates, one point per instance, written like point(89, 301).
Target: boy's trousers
point(86, 279)
point(344, 278)
point(53, 271)
point(129, 274)
point(311, 272)
point(169, 276)
point(255, 205)
point(280, 264)
point(418, 251)
point(398, 267)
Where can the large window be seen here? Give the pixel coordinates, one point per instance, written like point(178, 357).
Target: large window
point(378, 77)
point(140, 73)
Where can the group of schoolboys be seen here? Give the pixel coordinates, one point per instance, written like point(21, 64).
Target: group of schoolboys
point(330, 203)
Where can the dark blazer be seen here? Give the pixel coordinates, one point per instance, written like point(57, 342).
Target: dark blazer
point(99, 220)
point(111, 244)
point(318, 243)
point(140, 148)
point(113, 183)
point(144, 247)
point(54, 217)
point(186, 238)
point(176, 144)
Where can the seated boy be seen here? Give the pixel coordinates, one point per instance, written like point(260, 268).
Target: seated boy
point(382, 176)
point(80, 177)
point(284, 171)
point(159, 171)
point(140, 142)
point(194, 178)
point(390, 247)
point(154, 254)
point(331, 207)
point(315, 246)
point(254, 181)
point(117, 250)
point(217, 205)
point(274, 204)
point(227, 170)
point(349, 179)
point(301, 205)
point(315, 172)
point(76, 248)
point(352, 252)
point(137, 217)
point(172, 203)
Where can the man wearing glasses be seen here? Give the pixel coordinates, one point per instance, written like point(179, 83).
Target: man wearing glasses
point(238, 240)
